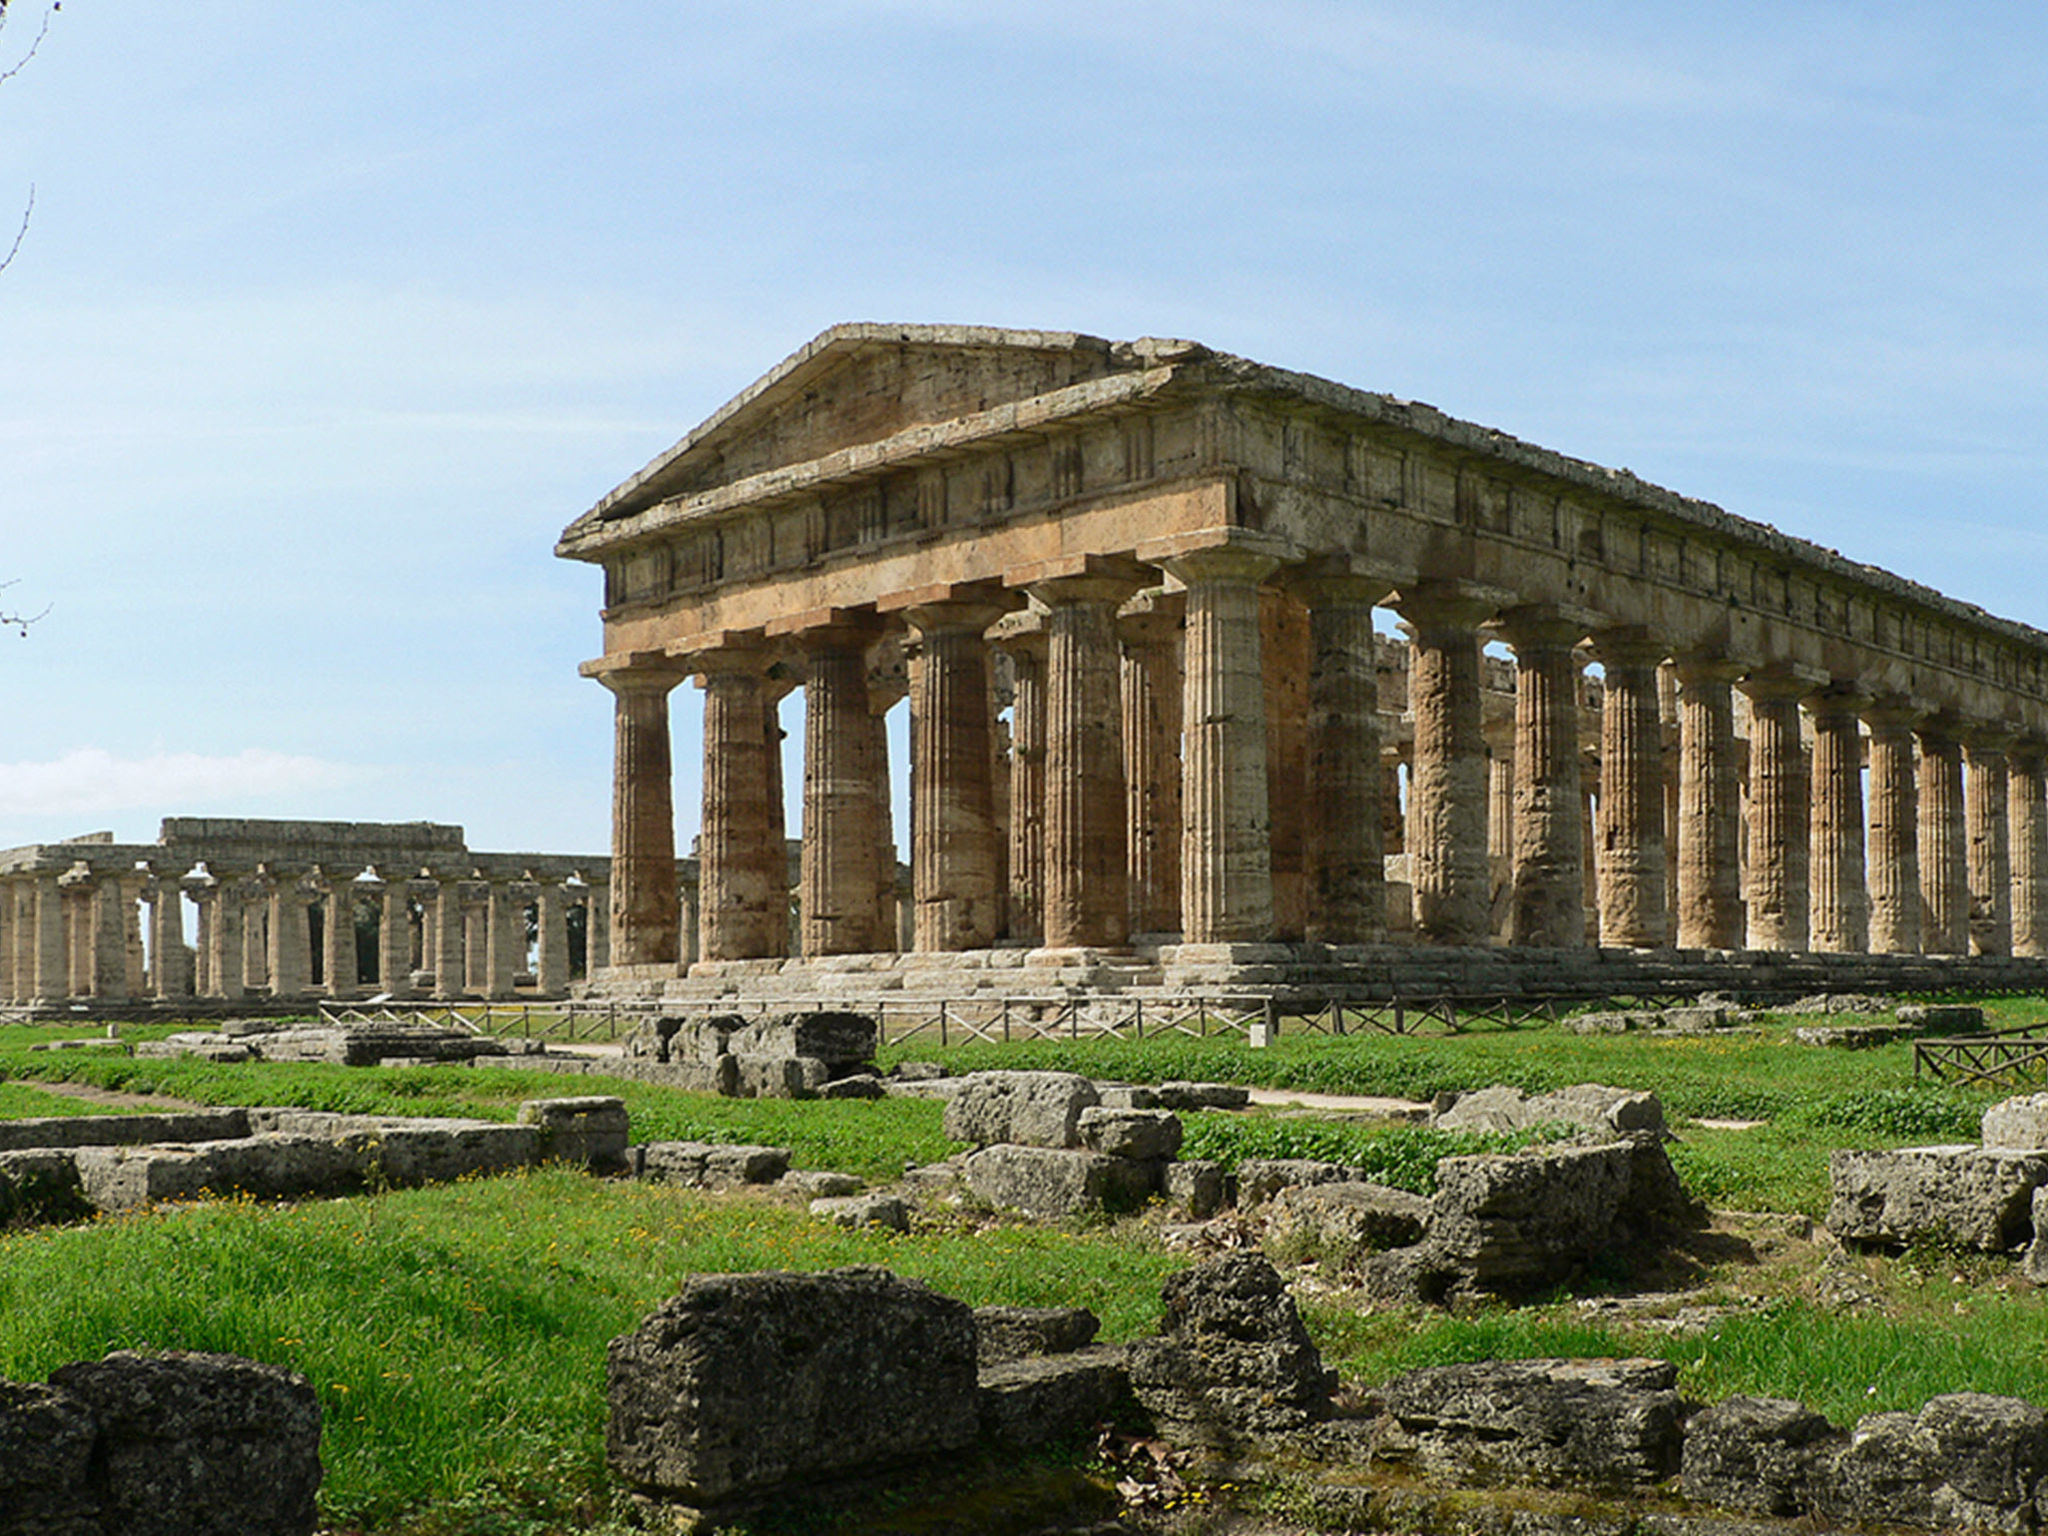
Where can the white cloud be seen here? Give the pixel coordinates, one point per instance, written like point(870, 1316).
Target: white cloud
point(91, 780)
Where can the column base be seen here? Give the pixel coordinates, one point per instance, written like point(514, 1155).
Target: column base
point(1228, 954)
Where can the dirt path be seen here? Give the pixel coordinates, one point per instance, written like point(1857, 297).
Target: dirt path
point(1342, 1103)
point(108, 1097)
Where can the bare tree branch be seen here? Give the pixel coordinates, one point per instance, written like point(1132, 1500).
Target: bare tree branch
point(42, 32)
point(18, 622)
point(20, 234)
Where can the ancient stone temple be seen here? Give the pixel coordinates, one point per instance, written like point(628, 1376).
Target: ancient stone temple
point(276, 908)
point(1160, 720)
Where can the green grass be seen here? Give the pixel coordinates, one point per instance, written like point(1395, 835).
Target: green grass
point(20, 1102)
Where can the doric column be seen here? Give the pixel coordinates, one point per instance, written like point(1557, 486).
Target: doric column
point(1547, 899)
point(1285, 652)
point(1087, 871)
point(551, 967)
point(451, 947)
point(8, 974)
point(1347, 891)
point(888, 685)
point(742, 873)
point(1630, 837)
point(170, 964)
point(643, 809)
point(505, 937)
point(781, 681)
point(230, 937)
point(1780, 802)
point(843, 796)
point(394, 937)
point(1447, 782)
point(1667, 729)
point(1709, 806)
point(1150, 628)
point(1990, 857)
point(1840, 898)
point(1944, 866)
point(1500, 789)
point(597, 933)
point(1025, 641)
point(2026, 782)
point(338, 934)
point(290, 961)
point(1894, 834)
point(106, 909)
point(953, 853)
point(1226, 869)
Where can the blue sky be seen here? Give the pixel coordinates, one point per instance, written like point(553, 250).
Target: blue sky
point(328, 319)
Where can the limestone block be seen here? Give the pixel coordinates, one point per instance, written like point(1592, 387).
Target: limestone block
point(1232, 1357)
point(870, 1210)
point(2020, 1123)
point(1195, 1185)
point(1967, 1461)
point(1046, 1400)
point(1138, 1133)
point(593, 1130)
point(40, 1185)
point(122, 1130)
point(46, 1443)
point(1127, 1096)
point(777, 1077)
point(838, 1038)
point(744, 1384)
point(1758, 1455)
point(819, 1183)
point(1579, 1423)
point(708, 1164)
point(410, 1152)
point(1034, 1109)
point(1527, 1220)
point(199, 1443)
point(1592, 1105)
point(1338, 1223)
point(1057, 1181)
point(861, 1085)
point(1851, 1037)
point(206, 1046)
point(1972, 1196)
point(1942, 1018)
point(1003, 1334)
point(2034, 1265)
point(1185, 1096)
point(1259, 1179)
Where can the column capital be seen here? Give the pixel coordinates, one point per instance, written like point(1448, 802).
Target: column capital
point(1082, 578)
point(1335, 581)
point(830, 629)
point(1986, 737)
point(636, 672)
point(1629, 646)
point(952, 605)
point(1891, 714)
point(728, 653)
point(1021, 632)
point(1153, 617)
point(1449, 605)
point(1781, 683)
point(1701, 667)
point(1218, 554)
point(1543, 626)
point(1837, 700)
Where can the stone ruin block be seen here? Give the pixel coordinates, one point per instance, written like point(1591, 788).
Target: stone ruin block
point(1577, 1423)
point(1004, 1334)
point(46, 1131)
point(1232, 1359)
point(1942, 1018)
point(1259, 1179)
point(2019, 1124)
point(840, 1039)
point(160, 1445)
point(2034, 1263)
point(1033, 1109)
point(1973, 1197)
point(777, 1077)
point(1044, 1400)
point(1594, 1106)
point(1196, 1185)
point(707, 1164)
point(869, 1210)
point(1058, 1181)
point(40, 1186)
point(1967, 1461)
point(1144, 1134)
point(744, 1385)
point(592, 1130)
point(1757, 1455)
point(1344, 1221)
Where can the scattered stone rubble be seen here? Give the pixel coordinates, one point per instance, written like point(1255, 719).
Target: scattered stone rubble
point(1709, 1015)
point(160, 1445)
point(1992, 1197)
point(783, 1056)
point(1590, 1106)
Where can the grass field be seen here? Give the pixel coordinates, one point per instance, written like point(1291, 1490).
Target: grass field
point(456, 1335)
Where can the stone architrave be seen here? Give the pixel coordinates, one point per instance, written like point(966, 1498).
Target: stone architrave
point(1631, 845)
point(1780, 809)
point(1025, 640)
point(843, 794)
point(1547, 895)
point(1989, 859)
point(953, 847)
point(1153, 693)
point(1893, 838)
point(643, 874)
point(743, 871)
point(1944, 865)
point(1840, 894)
point(1447, 781)
point(1709, 807)
point(1226, 862)
point(1347, 900)
point(170, 961)
point(2026, 785)
point(1087, 869)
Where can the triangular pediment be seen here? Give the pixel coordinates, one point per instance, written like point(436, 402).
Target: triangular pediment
point(859, 384)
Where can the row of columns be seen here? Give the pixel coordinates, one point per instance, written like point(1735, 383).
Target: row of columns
point(75, 935)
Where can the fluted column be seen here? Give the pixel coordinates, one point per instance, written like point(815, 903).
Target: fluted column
point(781, 681)
point(1447, 782)
point(1709, 807)
point(394, 937)
point(597, 931)
point(742, 867)
point(1226, 862)
point(170, 964)
point(107, 914)
point(2026, 783)
point(1285, 655)
point(1840, 896)
point(643, 865)
point(1347, 892)
point(1546, 901)
point(52, 979)
point(1027, 650)
point(1944, 866)
point(1990, 857)
point(1500, 790)
point(505, 938)
point(1780, 805)
point(953, 856)
point(291, 945)
point(230, 937)
point(843, 793)
point(451, 944)
point(1153, 698)
point(1630, 843)
point(551, 962)
point(338, 936)
point(1893, 839)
